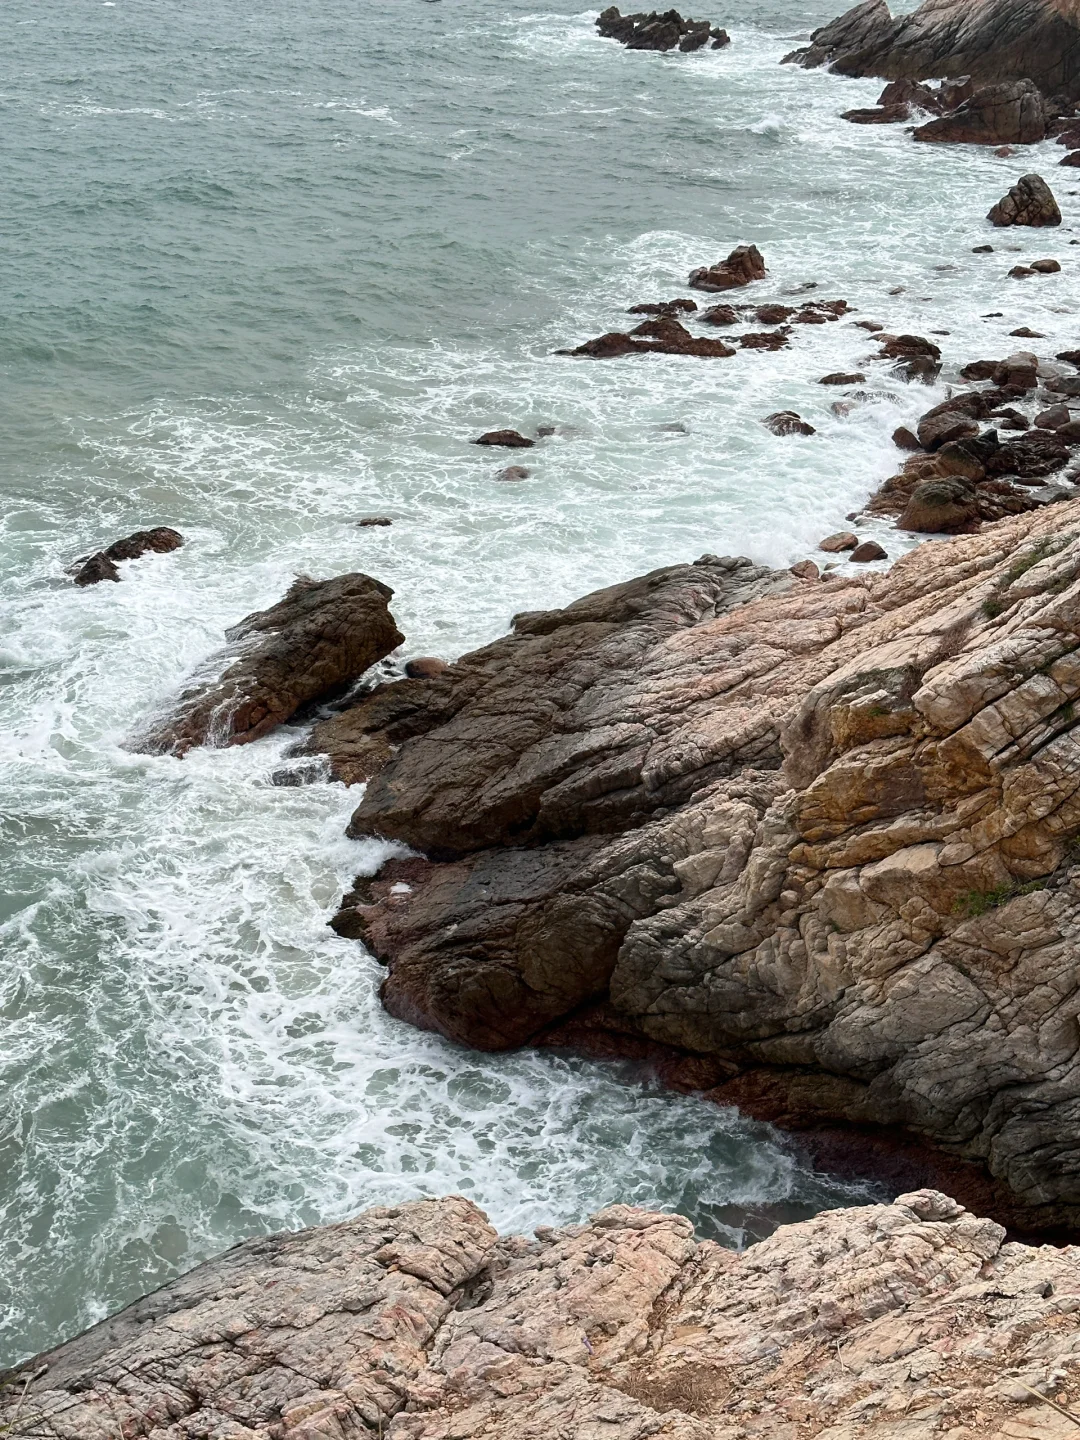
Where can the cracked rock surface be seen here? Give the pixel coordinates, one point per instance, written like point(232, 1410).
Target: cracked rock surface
point(894, 1322)
point(823, 833)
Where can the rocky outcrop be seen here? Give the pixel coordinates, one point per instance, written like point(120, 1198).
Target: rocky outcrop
point(662, 336)
point(820, 832)
point(1010, 113)
point(1029, 202)
point(742, 267)
point(418, 1322)
point(988, 40)
point(102, 564)
point(323, 636)
point(656, 31)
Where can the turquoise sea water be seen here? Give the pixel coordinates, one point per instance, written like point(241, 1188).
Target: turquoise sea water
point(267, 270)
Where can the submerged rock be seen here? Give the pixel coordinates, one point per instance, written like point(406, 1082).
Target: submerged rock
point(321, 637)
point(662, 336)
point(102, 565)
point(418, 1322)
point(1029, 202)
point(787, 422)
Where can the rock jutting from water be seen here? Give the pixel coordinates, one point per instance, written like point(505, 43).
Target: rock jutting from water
point(742, 267)
point(316, 641)
point(818, 838)
point(1029, 202)
point(654, 30)
point(988, 42)
point(419, 1322)
point(92, 569)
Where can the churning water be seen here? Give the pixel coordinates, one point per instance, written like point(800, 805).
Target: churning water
point(267, 268)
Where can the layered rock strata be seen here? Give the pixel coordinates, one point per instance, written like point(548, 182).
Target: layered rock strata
point(989, 41)
point(820, 835)
point(319, 639)
point(893, 1322)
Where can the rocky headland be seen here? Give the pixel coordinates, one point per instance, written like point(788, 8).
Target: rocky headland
point(895, 1322)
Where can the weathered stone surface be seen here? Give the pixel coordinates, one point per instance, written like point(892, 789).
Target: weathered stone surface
point(102, 564)
point(822, 834)
point(787, 422)
point(322, 636)
point(659, 31)
point(940, 506)
point(508, 439)
point(894, 1322)
point(985, 41)
point(663, 336)
point(1029, 202)
point(1010, 113)
point(742, 267)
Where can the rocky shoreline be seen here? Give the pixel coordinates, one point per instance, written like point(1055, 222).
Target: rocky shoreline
point(419, 1322)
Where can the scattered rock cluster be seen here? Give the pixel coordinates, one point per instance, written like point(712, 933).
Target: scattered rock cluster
point(656, 31)
point(418, 1322)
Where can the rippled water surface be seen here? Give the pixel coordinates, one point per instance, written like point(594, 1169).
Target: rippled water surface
point(267, 270)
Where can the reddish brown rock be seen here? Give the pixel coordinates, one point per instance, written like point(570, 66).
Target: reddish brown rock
point(765, 340)
point(878, 115)
point(1046, 267)
point(663, 336)
point(838, 378)
point(742, 267)
point(371, 521)
point(324, 635)
point(806, 570)
point(510, 439)
point(773, 314)
point(425, 667)
point(719, 315)
point(102, 565)
point(514, 472)
point(659, 31)
point(842, 540)
point(818, 833)
point(1010, 113)
point(904, 439)
point(787, 422)
point(1053, 418)
point(1029, 202)
point(867, 551)
point(664, 307)
point(1072, 158)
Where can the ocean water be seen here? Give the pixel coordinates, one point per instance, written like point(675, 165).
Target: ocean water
point(267, 270)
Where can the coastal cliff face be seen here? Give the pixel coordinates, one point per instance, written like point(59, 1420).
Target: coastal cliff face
point(819, 835)
point(990, 40)
point(419, 1323)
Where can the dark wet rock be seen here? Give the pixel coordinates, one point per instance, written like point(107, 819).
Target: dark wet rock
point(878, 115)
point(840, 378)
point(1010, 113)
point(425, 667)
point(867, 551)
point(970, 44)
point(1070, 433)
point(1025, 332)
point(664, 307)
point(371, 521)
point(940, 506)
point(1029, 202)
point(842, 540)
point(323, 636)
point(663, 336)
point(871, 325)
point(979, 370)
point(514, 472)
point(1046, 267)
point(1072, 158)
point(1020, 272)
point(510, 439)
point(1017, 372)
point(659, 31)
point(1070, 357)
point(1053, 418)
point(916, 357)
point(805, 570)
point(719, 315)
point(904, 439)
point(982, 249)
point(96, 568)
point(102, 565)
point(742, 267)
point(787, 422)
point(921, 97)
point(951, 420)
point(765, 340)
point(1031, 456)
point(1010, 419)
point(773, 314)
point(1063, 385)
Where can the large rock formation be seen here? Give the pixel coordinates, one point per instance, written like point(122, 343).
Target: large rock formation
point(324, 635)
point(1029, 202)
point(656, 31)
point(892, 1322)
point(820, 834)
point(1010, 113)
point(988, 40)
